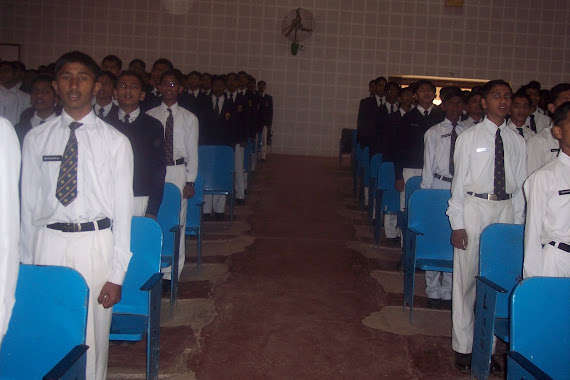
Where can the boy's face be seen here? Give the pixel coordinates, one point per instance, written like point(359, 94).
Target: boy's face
point(75, 85)
point(498, 102)
point(157, 71)
point(453, 108)
point(205, 82)
point(137, 68)
point(7, 75)
point(106, 88)
point(232, 83)
point(261, 87)
point(391, 94)
point(170, 88)
point(534, 96)
point(372, 88)
point(406, 98)
point(43, 96)
point(380, 85)
point(473, 107)
point(520, 109)
point(129, 92)
point(425, 94)
point(561, 132)
point(111, 67)
point(562, 98)
point(251, 85)
point(242, 78)
point(193, 81)
point(218, 88)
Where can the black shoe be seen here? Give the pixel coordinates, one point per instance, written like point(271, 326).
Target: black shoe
point(446, 304)
point(166, 286)
point(434, 303)
point(240, 202)
point(495, 366)
point(463, 362)
point(220, 216)
point(393, 242)
point(207, 217)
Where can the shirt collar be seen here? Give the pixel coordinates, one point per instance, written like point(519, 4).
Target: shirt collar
point(107, 108)
point(164, 108)
point(195, 93)
point(36, 120)
point(513, 125)
point(132, 116)
point(564, 158)
point(88, 120)
point(492, 126)
point(447, 123)
point(422, 109)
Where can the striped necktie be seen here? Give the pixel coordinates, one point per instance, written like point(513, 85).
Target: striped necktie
point(452, 149)
point(66, 190)
point(499, 174)
point(169, 139)
point(532, 124)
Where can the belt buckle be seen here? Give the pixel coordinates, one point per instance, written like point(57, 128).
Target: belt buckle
point(76, 227)
point(492, 197)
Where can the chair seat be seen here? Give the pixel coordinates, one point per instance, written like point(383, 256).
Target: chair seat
point(216, 191)
point(130, 327)
point(502, 329)
point(192, 231)
point(435, 265)
point(166, 261)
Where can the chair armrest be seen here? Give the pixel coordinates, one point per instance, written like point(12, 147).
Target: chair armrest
point(66, 365)
point(527, 365)
point(152, 282)
point(176, 228)
point(414, 231)
point(490, 283)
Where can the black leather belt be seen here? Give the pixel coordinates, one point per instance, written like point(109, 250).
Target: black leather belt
point(443, 178)
point(562, 246)
point(180, 161)
point(490, 197)
point(81, 227)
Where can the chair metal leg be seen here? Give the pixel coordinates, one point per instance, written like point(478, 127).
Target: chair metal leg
point(379, 218)
point(153, 332)
point(371, 190)
point(174, 272)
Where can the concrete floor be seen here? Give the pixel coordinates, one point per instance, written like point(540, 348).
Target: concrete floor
point(294, 289)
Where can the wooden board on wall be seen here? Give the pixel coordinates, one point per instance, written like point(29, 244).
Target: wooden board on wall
point(454, 3)
point(404, 80)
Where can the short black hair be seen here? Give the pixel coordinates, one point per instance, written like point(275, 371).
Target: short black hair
point(242, 73)
point(371, 82)
point(523, 95)
point(130, 73)
point(113, 58)
point(561, 113)
point(393, 85)
point(230, 74)
point(11, 64)
point(421, 82)
point(380, 79)
point(472, 94)
point(171, 73)
point(163, 61)
point(262, 82)
point(194, 72)
point(218, 78)
point(534, 84)
point(486, 89)
point(108, 74)
point(139, 61)
point(77, 57)
point(205, 74)
point(44, 78)
point(404, 89)
point(452, 92)
point(557, 90)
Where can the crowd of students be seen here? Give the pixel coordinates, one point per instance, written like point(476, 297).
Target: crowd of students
point(97, 145)
point(505, 158)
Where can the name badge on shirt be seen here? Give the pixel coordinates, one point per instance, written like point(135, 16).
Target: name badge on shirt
point(446, 135)
point(564, 192)
point(557, 150)
point(52, 158)
point(479, 150)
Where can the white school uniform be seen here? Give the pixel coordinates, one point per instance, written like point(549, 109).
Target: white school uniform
point(541, 149)
point(541, 120)
point(469, 122)
point(523, 131)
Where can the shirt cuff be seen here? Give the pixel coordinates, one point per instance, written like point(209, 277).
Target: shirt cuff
point(117, 277)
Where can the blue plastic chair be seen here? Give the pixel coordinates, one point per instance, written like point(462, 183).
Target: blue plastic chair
point(375, 163)
point(169, 220)
point(500, 270)
point(247, 153)
point(194, 216)
point(430, 238)
point(356, 169)
point(216, 165)
point(46, 334)
point(540, 333)
point(412, 185)
point(138, 313)
point(353, 144)
point(387, 198)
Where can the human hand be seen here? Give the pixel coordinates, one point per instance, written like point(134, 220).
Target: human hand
point(399, 185)
point(459, 239)
point(110, 295)
point(188, 191)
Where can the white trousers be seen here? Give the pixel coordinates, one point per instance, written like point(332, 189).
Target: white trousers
point(478, 214)
point(215, 202)
point(555, 262)
point(407, 173)
point(177, 175)
point(139, 205)
point(264, 142)
point(91, 254)
point(239, 182)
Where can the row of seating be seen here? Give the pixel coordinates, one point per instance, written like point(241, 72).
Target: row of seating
point(530, 315)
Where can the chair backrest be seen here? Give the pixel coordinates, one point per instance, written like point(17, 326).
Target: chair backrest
point(412, 185)
point(194, 210)
point(346, 140)
point(426, 214)
point(247, 152)
point(169, 215)
point(385, 182)
point(146, 246)
point(375, 162)
point(49, 319)
point(216, 165)
point(540, 309)
point(501, 259)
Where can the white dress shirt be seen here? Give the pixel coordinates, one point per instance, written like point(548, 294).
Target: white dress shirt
point(389, 107)
point(36, 120)
point(195, 92)
point(541, 149)
point(106, 109)
point(9, 106)
point(527, 133)
point(541, 120)
point(9, 220)
point(220, 102)
point(437, 145)
point(422, 109)
point(23, 98)
point(380, 100)
point(469, 122)
point(474, 160)
point(547, 192)
point(104, 183)
point(185, 141)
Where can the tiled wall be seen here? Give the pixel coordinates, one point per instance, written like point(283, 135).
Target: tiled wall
point(316, 93)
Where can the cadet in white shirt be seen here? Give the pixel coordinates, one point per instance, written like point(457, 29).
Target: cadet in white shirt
point(536, 120)
point(543, 147)
point(9, 79)
point(9, 217)
point(473, 109)
point(489, 173)
point(77, 182)
point(437, 173)
point(181, 147)
point(520, 109)
point(547, 190)
point(9, 105)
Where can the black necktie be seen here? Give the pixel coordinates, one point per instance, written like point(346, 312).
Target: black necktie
point(499, 181)
point(391, 108)
point(475, 122)
point(452, 149)
point(101, 112)
point(520, 131)
point(231, 99)
point(169, 139)
point(217, 107)
point(43, 121)
point(66, 190)
point(532, 124)
point(127, 116)
point(426, 112)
